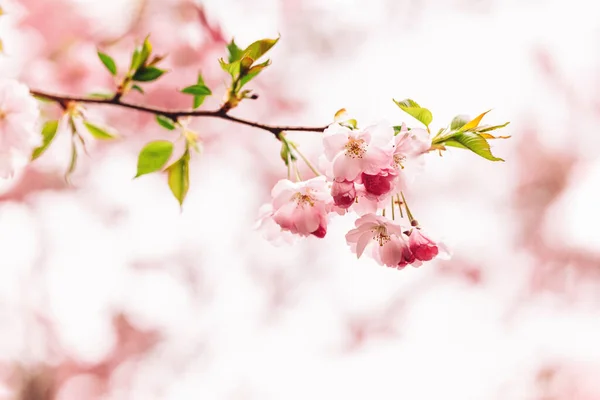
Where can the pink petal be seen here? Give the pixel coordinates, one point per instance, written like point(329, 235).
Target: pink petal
point(362, 243)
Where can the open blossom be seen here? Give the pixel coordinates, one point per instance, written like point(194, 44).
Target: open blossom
point(354, 151)
point(407, 158)
point(18, 136)
point(386, 239)
point(302, 207)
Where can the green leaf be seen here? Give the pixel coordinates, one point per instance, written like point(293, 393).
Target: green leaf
point(474, 123)
point(104, 96)
point(474, 142)
point(459, 121)
point(136, 60)
point(257, 49)
point(48, 134)
point(197, 90)
point(108, 62)
point(138, 88)
point(235, 53)
point(146, 50)
point(285, 152)
point(153, 157)
point(148, 74)
point(198, 100)
point(232, 69)
point(97, 132)
point(165, 122)
point(252, 72)
point(73, 162)
point(397, 129)
point(491, 128)
point(245, 65)
point(413, 109)
point(179, 177)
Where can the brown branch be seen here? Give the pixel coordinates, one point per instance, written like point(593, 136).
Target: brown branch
point(173, 114)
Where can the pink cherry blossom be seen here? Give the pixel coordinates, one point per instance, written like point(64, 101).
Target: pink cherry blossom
point(354, 151)
point(18, 136)
point(407, 158)
point(390, 244)
point(424, 248)
point(269, 229)
point(343, 193)
point(302, 207)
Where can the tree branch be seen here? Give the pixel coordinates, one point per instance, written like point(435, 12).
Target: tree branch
point(174, 114)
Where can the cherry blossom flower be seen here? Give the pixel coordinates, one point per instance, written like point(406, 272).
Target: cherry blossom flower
point(270, 230)
point(354, 151)
point(391, 247)
point(18, 136)
point(407, 158)
point(302, 207)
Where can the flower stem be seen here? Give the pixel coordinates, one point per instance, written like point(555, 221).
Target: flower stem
point(306, 160)
point(393, 209)
point(408, 213)
point(399, 205)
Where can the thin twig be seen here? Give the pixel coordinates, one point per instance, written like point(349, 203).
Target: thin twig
point(174, 114)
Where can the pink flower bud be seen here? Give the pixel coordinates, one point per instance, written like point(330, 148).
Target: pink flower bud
point(343, 193)
point(421, 246)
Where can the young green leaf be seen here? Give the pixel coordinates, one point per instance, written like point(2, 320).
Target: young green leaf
point(179, 177)
point(147, 74)
point(252, 72)
point(97, 132)
point(146, 50)
point(474, 142)
point(491, 128)
point(235, 53)
point(48, 134)
point(245, 65)
point(232, 69)
point(165, 122)
point(153, 157)
point(198, 100)
point(136, 60)
point(73, 162)
point(108, 62)
point(257, 49)
point(104, 96)
point(474, 123)
point(413, 109)
point(138, 88)
point(197, 90)
point(459, 121)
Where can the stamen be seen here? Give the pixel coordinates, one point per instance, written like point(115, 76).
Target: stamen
point(302, 199)
point(381, 235)
point(398, 160)
point(355, 148)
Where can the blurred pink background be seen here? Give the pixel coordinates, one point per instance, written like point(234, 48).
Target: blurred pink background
point(108, 291)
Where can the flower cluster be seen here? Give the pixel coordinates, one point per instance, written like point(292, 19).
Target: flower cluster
point(366, 171)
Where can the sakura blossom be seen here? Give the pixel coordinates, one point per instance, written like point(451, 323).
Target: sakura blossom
point(356, 151)
point(386, 239)
point(18, 118)
point(302, 207)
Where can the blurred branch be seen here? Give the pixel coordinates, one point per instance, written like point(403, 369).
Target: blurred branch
point(221, 113)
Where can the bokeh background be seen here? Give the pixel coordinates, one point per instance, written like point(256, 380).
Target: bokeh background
point(108, 291)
